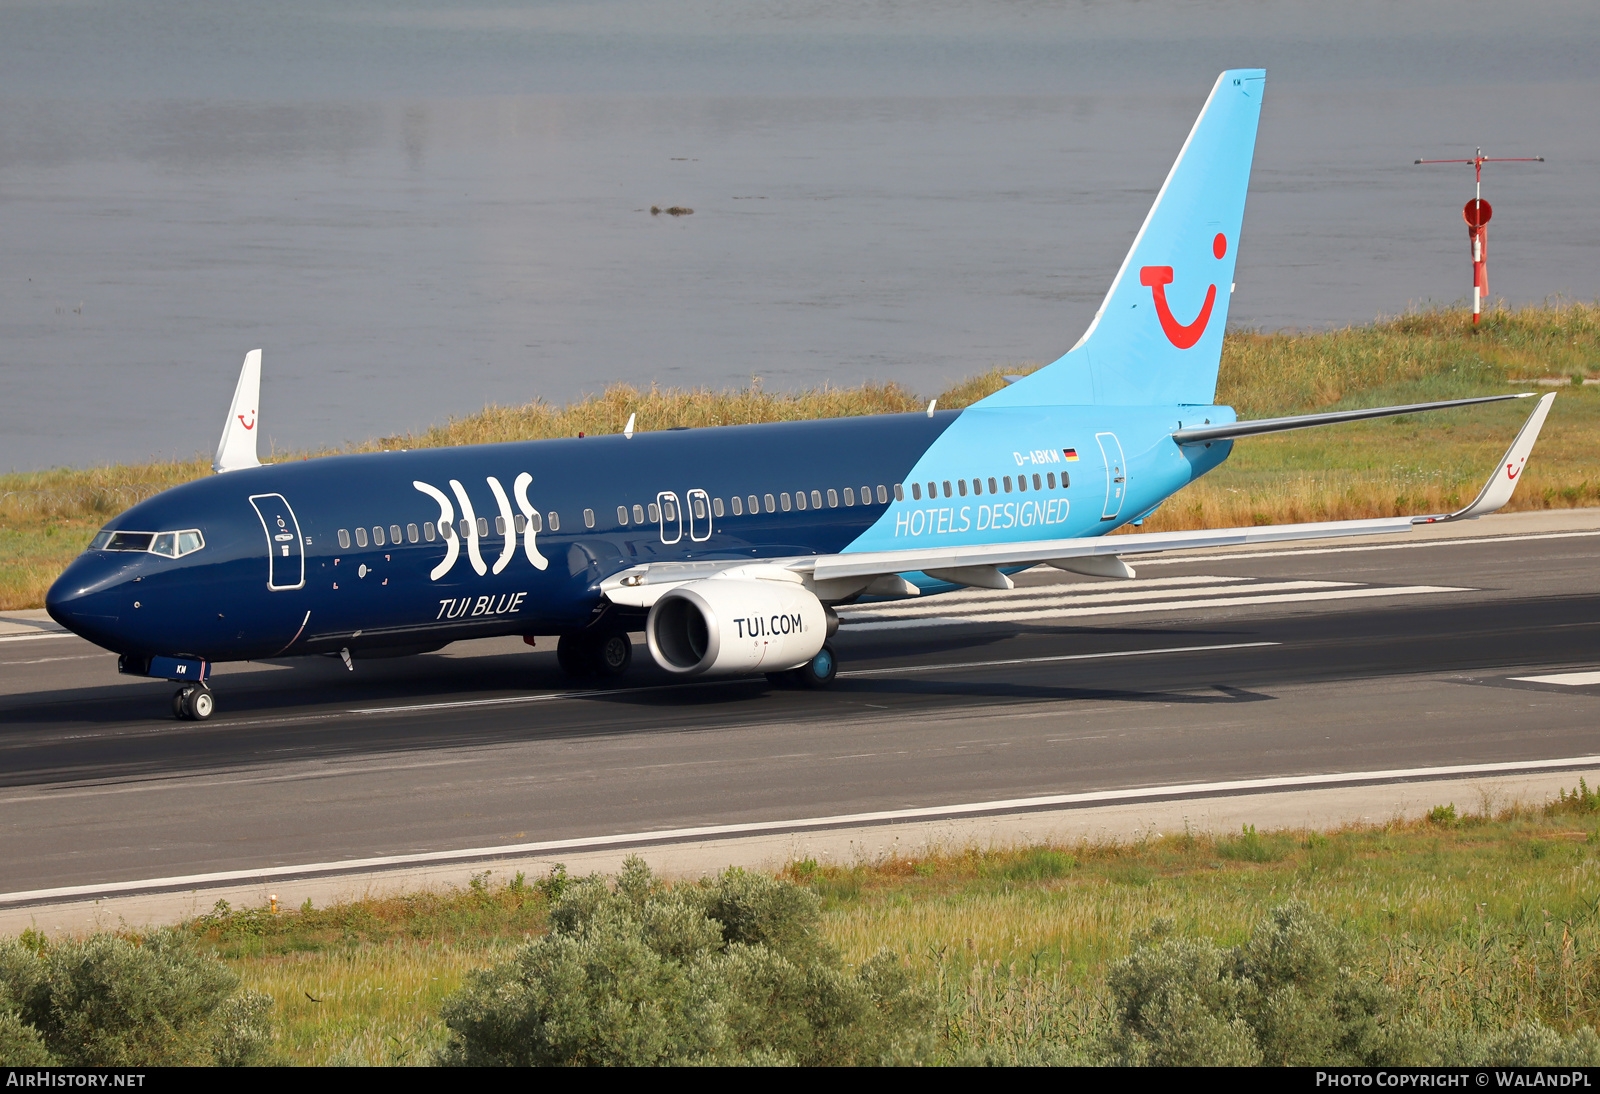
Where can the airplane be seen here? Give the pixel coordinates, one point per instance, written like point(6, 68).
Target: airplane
point(729, 547)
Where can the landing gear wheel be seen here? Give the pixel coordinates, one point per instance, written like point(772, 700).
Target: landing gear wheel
point(573, 657)
point(819, 672)
point(612, 654)
point(194, 703)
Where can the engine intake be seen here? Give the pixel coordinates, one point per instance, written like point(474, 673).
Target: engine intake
point(723, 626)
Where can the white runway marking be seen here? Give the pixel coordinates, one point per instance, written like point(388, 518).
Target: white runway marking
point(1571, 679)
point(29, 637)
point(1045, 615)
point(1058, 657)
point(843, 820)
point(1145, 560)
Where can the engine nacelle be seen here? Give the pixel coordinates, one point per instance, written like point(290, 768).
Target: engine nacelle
point(721, 626)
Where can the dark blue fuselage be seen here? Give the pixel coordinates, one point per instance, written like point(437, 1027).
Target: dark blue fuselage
point(216, 604)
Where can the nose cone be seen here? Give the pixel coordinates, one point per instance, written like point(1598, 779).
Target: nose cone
point(93, 597)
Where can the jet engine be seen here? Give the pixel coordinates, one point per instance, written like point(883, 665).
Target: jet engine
point(721, 626)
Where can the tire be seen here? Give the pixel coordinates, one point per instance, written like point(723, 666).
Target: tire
point(194, 703)
point(611, 654)
point(572, 657)
point(820, 671)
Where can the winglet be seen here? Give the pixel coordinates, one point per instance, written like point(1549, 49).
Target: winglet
point(1497, 491)
point(627, 430)
point(237, 449)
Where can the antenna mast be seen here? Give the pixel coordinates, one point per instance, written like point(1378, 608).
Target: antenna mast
point(1477, 213)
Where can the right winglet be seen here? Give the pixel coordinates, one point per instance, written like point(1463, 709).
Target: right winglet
point(237, 449)
point(1497, 491)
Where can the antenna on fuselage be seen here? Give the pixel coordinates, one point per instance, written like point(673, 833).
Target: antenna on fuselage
point(627, 430)
point(237, 449)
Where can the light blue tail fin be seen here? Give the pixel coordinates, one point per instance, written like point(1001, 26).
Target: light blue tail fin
point(1157, 338)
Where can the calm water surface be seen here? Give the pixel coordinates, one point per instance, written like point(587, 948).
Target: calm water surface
point(418, 208)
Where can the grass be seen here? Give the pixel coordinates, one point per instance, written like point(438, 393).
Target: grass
point(1391, 467)
point(1479, 918)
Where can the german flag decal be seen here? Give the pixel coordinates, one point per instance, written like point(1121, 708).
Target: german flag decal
point(1070, 454)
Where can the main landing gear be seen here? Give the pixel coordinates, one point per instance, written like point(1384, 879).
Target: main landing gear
point(816, 674)
point(193, 703)
point(606, 655)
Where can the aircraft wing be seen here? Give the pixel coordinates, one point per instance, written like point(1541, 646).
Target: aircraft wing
point(839, 576)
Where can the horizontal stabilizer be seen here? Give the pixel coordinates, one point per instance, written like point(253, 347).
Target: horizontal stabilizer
point(237, 449)
point(1209, 433)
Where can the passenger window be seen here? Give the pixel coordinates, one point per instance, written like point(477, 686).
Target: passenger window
point(698, 504)
point(1050, 478)
point(500, 525)
point(1065, 482)
point(466, 528)
point(977, 486)
point(961, 487)
point(849, 495)
point(394, 533)
point(752, 504)
point(866, 495)
point(622, 516)
point(655, 513)
point(446, 529)
point(772, 504)
point(783, 499)
point(377, 535)
point(166, 544)
point(588, 518)
point(483, 526)
point(899, 492)
point(537, 521)
point(1022, 482)
point(716, 506)
point(361, 537)
point(833, 499)
point(412, 533)
point(638, 514)
point(916, 491)
point(555, 521)
point(738, 506)
point(800, 500)
point(947, 488)
point(1036, 484)
point(816, 499)
point(993, 486)
point(883, 494)
point(670, 509)
point(344, 539)
point(933, 490)
point(429, 530)
point(520, 523)
point(189, 542)
point(1007, 483)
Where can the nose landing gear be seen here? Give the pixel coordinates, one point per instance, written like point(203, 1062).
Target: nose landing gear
point(193, 703)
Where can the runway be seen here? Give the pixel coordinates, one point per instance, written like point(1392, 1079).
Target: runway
point(1242, 665)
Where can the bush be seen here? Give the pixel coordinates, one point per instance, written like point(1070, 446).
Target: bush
point(107, 1001)
point(726, 971)
point(1295, 995)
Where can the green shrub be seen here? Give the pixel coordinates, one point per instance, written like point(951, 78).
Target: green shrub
point(106, 1001)
point(1444, 816)
point(727, 971)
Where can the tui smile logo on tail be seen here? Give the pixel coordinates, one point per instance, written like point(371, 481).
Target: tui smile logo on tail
point(1157, 278)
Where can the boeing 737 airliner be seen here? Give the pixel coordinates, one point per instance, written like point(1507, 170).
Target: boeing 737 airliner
point(727, 547)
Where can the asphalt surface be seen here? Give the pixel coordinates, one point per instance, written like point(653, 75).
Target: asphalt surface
point(1240, 666)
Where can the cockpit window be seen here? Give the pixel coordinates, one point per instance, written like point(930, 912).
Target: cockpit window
point(165, 544)
point(130, 541)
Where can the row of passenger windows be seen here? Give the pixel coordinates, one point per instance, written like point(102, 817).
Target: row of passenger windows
point(380, 535)
point(753, 504)
point(1047, 481)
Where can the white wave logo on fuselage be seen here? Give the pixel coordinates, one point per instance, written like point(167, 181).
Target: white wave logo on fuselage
point(469, 517)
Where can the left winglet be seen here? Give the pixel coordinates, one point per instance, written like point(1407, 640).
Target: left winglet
point(237, 449)
point(1498, 490)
